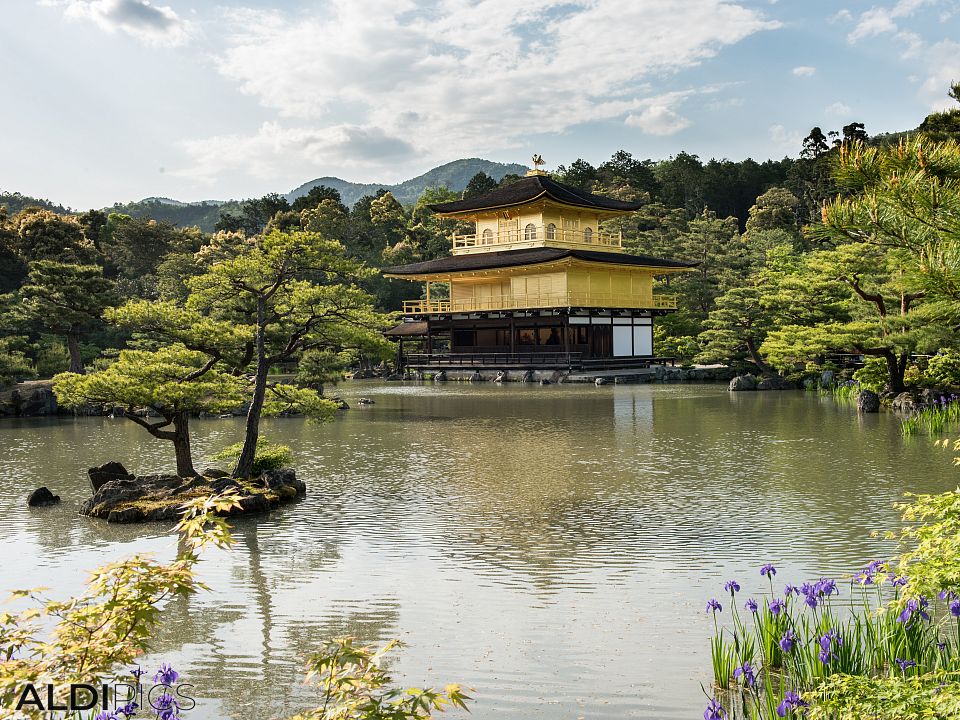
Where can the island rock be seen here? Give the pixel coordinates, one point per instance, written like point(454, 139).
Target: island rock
point(868, 402)
point(42, 497)
point(775, 383)
point(743, 382)
point(102, 474)
point(161, 497)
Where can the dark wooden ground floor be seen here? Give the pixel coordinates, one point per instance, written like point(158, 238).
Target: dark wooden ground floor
point(561, 338)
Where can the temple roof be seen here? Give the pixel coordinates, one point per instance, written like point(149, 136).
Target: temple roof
point(533, 256)
point(407, 329)
point(532, 188)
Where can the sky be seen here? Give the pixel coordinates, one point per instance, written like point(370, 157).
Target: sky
point(115, 100)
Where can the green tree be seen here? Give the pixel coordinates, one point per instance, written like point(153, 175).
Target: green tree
point(880, 318)
point(291, 293)
point(776, 209)
point(316, 195)
point(580, 174)
point(814, 145)
point(479, 184)
point(68, 299)
point(45, 235)
point(623, 169)
point(137, 246)
point(172, 382)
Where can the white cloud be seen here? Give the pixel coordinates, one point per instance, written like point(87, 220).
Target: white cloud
point(913, 44)
point(784, 140)
point(880, 20)
point(838, 109)
point(658, 119)
point(274, 151)
point(470, 77)
point(843, 15)
point(150, 24)
point(804, 71)
point(943, 62)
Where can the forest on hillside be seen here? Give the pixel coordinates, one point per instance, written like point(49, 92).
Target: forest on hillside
point(781, 282)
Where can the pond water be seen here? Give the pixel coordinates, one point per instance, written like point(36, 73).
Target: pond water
point(550, 547)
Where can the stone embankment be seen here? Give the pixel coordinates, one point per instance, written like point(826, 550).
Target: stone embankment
point(121, 497)
point(655, 374)
point(29, 399)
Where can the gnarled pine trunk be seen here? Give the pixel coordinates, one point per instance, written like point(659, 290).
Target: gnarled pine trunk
point(248, 454)
point(73, 346)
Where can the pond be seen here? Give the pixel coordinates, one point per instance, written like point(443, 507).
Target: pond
point(551, 547)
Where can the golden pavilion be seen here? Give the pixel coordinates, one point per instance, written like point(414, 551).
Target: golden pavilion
point(537, 285)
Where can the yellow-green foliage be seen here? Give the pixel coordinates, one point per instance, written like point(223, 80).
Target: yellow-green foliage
point(161, 378)
point(943, 369)
point(849, 697)
point(269, 456)
point(96, 635)
point(353, 684)
point(873, 374)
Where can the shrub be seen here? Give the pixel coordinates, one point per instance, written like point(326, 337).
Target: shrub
point(944, 369)
point(269, 456)
point(873, 375)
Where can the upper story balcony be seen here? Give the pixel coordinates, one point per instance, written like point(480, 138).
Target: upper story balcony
point(541, 300)
point(532, 235)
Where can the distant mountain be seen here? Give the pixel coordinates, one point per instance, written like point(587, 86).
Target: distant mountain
point(14, 202)
point(453, 175)
point(180, 203)
point(202, 214)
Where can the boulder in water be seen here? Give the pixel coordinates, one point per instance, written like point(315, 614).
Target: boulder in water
point(108, 472)
point(742, 383)
point(868, 402)
point(775, 383)
point(41, 497)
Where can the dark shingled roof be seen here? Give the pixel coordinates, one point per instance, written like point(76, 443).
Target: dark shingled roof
point(407, 329)
point(534, 256)
point(530, 188)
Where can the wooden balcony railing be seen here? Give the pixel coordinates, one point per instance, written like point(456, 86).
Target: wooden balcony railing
point(536, 233)
point(548, 300)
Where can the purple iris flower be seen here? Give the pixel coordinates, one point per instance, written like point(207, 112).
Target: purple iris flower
point(904, 664)
point(791, 703)
point(787, 641)
point(106, 716)
point(732, 586)
point(827, 587)
point(955, 608)
point(768, 569)
point(166, 675)
point(714, 711)
point(751, 605)
point(897, 580)
point(912, 609)
point(827, 641)
point(776, 606)
point(714, 606)
point(129, 710)
point(749, 679)
point(167, 707)
point(789, 590)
